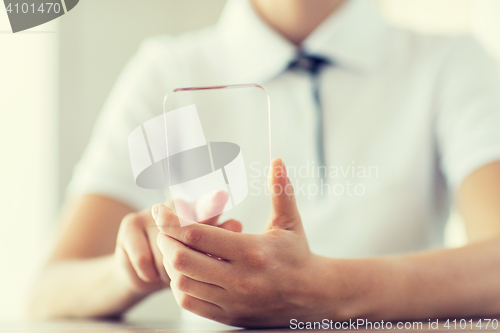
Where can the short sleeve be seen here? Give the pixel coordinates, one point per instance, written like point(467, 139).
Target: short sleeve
point(136, 97)
point(468, 119)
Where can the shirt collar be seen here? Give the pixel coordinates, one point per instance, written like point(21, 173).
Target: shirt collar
point(254, 52)
point(353, 37)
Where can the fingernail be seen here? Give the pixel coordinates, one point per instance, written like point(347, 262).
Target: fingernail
point(285, 173)
point(154, 211)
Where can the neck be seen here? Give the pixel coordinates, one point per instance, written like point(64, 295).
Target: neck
point(295, 19)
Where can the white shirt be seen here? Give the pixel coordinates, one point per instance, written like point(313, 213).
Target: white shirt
point(412, 114)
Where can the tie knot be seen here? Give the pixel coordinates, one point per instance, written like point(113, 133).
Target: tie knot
point(309, 63)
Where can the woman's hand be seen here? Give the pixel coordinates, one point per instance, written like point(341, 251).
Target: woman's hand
point(264, 280)
point(139, 261)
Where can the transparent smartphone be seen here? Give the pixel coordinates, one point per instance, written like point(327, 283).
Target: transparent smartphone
point(218, 152)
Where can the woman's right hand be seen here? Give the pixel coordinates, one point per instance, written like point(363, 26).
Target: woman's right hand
point(138, 259)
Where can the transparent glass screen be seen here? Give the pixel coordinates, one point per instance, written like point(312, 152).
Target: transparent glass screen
point(217, 152)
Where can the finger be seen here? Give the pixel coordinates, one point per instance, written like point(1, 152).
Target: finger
point(209, 207)
point(284, 212)
point(197, 306)
point(182, 207)
point(201, 290)
point(192, 263)
point(204, 238)
point(231, 225)
point(136, 246)
point(157, 255)
point(125, 262)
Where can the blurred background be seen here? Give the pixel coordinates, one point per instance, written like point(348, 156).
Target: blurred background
point(53, 82)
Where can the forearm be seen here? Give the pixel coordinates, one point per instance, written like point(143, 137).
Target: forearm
point(81, 288)
point(441, 283)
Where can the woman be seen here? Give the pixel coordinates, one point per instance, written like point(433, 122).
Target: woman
point(351, 91)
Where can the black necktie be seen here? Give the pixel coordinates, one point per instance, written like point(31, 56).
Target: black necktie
point(313, 65)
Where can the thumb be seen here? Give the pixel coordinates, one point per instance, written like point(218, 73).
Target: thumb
point(284, 212)
point(209, 207)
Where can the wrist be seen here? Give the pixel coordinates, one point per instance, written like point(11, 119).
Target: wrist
point(317, 296)
point(343, 289)
point(372, 288)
